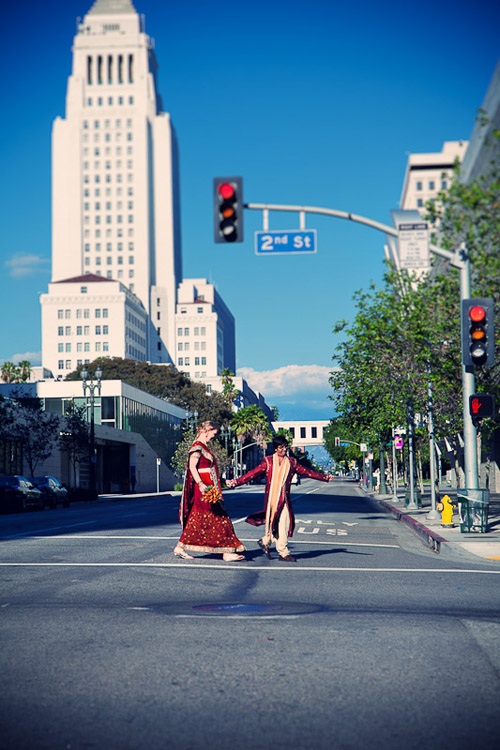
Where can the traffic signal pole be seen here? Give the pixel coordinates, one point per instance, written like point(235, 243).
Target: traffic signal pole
point(459, 260)
point(468, 387)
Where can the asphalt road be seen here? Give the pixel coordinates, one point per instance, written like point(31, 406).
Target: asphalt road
point(369, 641)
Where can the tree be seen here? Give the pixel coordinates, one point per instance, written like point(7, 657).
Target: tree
point(74, 436)
point(9, 372)
point(35, 429)
point(165, 382)
point(229, 391)
point(251, 422)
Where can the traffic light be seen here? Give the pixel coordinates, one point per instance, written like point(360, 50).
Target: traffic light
point(337, 442)
point(478, 343)
point(228, 209)
point(481, 405)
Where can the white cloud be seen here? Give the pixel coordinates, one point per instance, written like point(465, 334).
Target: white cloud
point(290, 381)
point(34, 358)
point(24, 264)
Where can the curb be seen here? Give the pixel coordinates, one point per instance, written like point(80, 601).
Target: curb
point(429, 537)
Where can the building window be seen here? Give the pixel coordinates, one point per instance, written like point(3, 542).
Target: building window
point(79, 347)
point(83, 290)
point(86, 313)
point(86, 330)
point(179, 346)
point(420, 202)
point(199, 310)
point(203, 360)
point(86, 347)
point(105, 346)
point(314, 432)
point(60, 314)
point(105, 330)
point(78, 330)
point(180, 362)
point(432, 185)
point(98, 330)
point(419, 186)
point(68, 364)
point(179, 331)
point(197, 361)
point(68, 347)
point(186, 361)
point(292, 431)
point(60, 364)
point(98, 312)
point(302, 432)
point(104, 312)
point(60, 347)
point(444, 184)
point(98, 346)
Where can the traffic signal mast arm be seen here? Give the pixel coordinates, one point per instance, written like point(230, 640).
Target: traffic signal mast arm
point(452, 257)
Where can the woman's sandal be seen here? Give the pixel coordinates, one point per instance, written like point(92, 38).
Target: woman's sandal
point(180, 552)
point(232, 557)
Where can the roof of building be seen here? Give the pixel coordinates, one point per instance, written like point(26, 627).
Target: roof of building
point(88, 277)
point(112, 7)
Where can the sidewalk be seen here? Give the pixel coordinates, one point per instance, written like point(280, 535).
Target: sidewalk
point(485, 546)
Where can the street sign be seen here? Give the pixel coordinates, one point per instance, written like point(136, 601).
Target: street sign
point(363, 447)
point(413, 242)
point(286, 242)
point(344, 445)
point(398, 442)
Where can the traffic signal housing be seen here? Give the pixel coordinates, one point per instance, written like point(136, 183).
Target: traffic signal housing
point(228, 209)
point(478, 342)
point(481, 405)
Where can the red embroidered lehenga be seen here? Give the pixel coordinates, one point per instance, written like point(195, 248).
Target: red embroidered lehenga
point(206, 526)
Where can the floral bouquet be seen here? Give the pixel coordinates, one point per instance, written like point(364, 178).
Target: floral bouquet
point(211, 495)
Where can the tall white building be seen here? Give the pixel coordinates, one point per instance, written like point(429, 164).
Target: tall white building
point(87, 317)
point(115, 194)
point(205, 331)
point(427, 174)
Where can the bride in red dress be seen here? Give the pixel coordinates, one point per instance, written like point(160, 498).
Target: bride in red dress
point(206, 525)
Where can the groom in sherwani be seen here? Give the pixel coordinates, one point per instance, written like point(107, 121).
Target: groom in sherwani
point(278, 515)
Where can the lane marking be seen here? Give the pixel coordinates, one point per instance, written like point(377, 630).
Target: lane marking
point(29, 534)
point(244, 568)
point(175, 538)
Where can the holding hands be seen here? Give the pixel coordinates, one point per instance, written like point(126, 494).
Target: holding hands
point(231, 483)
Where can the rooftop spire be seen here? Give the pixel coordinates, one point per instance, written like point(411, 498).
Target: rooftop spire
point(112, 7)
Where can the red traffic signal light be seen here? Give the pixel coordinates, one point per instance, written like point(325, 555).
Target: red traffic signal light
point(478, 345)
point(228, 209)
point(481, 405)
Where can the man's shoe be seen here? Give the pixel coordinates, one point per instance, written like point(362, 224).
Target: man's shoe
point(288, 558)
point(265, 549)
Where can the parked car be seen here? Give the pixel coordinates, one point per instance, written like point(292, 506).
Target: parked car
point(52, 490)
point(18, 494)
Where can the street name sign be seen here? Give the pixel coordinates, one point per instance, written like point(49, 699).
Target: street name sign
point(413, 242)
point(286, 242)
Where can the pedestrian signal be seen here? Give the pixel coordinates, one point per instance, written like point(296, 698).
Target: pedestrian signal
point(478, 344)
point(481, 405)
point(228, 209)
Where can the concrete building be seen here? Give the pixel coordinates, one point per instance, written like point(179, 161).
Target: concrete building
point(205, 331)
point(87, 317)
point(132, 430)
point(483, 146)
point(427, 174)
point(115, 191)
point(246, 396)
point(306, 433)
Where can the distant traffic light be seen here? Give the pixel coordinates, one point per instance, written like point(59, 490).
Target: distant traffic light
point(228, 209)
point(478, 344)
point(481, 405)
point(337, 442)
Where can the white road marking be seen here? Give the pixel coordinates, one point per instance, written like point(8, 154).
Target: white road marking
point(244, 568)
point(175, 538)
point(28, 534)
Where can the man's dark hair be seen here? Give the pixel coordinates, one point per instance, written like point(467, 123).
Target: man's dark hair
point(279, 440)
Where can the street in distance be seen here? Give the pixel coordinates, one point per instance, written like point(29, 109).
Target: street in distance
point(280, 243)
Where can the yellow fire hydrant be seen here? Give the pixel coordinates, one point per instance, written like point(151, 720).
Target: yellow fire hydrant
point(446, 507)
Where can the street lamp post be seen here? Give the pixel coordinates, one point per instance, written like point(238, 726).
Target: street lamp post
point(92, 387)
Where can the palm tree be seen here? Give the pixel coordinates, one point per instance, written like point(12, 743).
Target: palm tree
point(24, 371)
point(251, 422)
point(10, 372)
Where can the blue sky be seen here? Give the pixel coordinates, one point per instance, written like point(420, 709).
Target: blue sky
point(313, 103)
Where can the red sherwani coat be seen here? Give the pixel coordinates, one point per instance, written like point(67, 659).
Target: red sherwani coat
point(266, 469)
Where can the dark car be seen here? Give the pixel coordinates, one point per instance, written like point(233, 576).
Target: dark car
point(18, 494)
point(52, 491)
